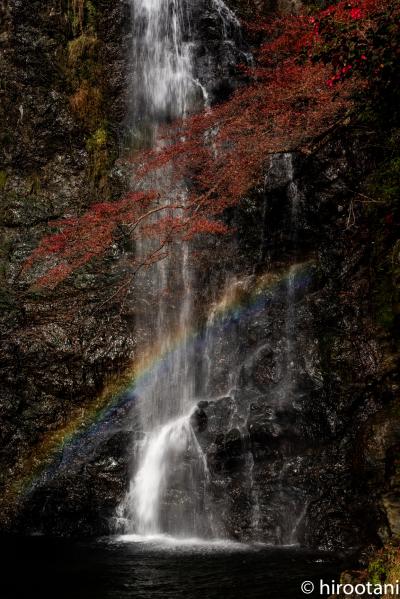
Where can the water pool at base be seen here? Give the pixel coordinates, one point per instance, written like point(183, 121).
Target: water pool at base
point(159, 568)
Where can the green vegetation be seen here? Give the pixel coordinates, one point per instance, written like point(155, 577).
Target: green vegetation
point(383, 210)
point(97, 140)
point(91, 14)
point(384, 565)
point(87, 104)
point(3, 179)
point(88, 81)
point(82, 48)
point(100, 157)
point(377, 571)
point(83, 15)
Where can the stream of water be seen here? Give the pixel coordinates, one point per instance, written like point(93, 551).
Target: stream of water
point(168, 488)
point(168, 491)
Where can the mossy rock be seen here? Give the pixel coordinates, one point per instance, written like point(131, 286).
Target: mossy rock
point(82, 48)
point(83, 15)
point(3, 179)
point(86, 103)
point(382, 209)
point(377, 571)
point(97, 140)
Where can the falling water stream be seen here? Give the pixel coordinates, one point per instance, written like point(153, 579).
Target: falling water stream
point(168, 488)
point(168, 492)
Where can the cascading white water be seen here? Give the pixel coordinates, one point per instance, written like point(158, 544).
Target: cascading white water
point(163, 80)
point(293, 197)
point(162, 456)
point(168, 489)
point(163, 83)
point(298, 509)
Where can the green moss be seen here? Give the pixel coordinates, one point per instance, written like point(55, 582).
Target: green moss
point(377, 571)
point(91, 14)
point(384, 565)
point(36, 184)
point(82, 15)
point(382, 208)
point(75, 21)
point(85, 70)
point(87, 104)
point(3, 179)
point(82, 48)
point(97, 140)
point(89, 90)
point(100, 158)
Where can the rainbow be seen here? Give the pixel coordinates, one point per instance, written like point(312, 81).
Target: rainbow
point(241, 301)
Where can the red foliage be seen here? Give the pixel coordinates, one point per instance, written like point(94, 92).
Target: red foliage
point(80, 239)
point(360, 37)
point(290, 102)
point(222, 153)
point(225, 151)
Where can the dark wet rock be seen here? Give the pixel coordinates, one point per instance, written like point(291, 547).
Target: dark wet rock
point(58, 348)
point(306, 451)
point(79, 500)
point(219, 48)
point(199, 420)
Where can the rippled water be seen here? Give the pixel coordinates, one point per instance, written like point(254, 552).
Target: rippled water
point(158, 569)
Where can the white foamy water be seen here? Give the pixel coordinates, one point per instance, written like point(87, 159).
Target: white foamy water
point(168, 489)
point(162, 57)
point(192, 544)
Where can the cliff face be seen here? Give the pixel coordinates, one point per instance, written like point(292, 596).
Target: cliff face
point(303, 448)
point(63, 105)
point(316, 435)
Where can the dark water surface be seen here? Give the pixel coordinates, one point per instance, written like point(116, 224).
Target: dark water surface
point(118, 569)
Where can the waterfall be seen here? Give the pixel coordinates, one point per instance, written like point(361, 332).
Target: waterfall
point(257, 369)
point(162, 81)
point(168, 488)
point(290, 326)
point(292, 520)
